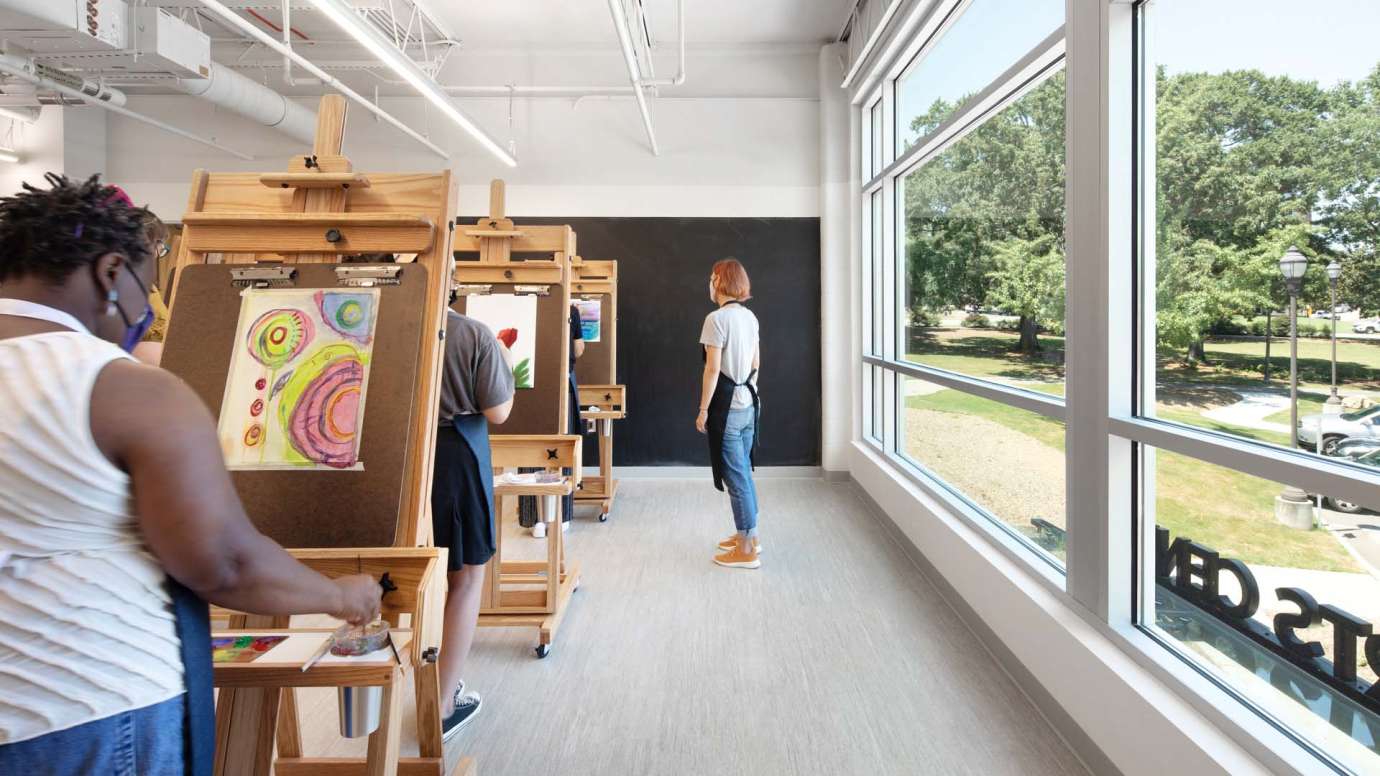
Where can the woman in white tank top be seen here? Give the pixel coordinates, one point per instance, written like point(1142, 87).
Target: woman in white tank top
point(114, 502)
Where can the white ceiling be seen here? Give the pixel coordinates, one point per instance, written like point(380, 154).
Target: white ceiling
point(483, 24)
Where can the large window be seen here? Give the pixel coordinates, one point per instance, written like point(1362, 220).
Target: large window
point(966, 256)
point(1099, 298)
point(980, 40)
point(1260, 168)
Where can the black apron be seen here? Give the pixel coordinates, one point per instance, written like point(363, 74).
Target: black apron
point(193, 623)
point(719, 405)
point(474, 430)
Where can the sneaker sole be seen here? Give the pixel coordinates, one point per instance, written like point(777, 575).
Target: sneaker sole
point(751, 564)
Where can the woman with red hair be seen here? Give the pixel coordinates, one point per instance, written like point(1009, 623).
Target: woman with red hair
point(730, 408)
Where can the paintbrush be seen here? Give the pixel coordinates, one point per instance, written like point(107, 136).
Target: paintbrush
point(319, 653)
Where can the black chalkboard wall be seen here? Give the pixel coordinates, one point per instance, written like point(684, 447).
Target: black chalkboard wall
point(663, 296)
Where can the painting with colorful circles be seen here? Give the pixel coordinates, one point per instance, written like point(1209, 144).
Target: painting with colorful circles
point(294, 398)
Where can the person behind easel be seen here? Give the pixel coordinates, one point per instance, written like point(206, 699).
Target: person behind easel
point(476, 390)
point(527, 505)
point(730, 408)
point(118, 520)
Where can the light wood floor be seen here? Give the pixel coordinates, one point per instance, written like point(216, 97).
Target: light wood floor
point(836, 657)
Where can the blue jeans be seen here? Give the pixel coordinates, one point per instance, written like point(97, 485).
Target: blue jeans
point(739, 431)
point(142, 742)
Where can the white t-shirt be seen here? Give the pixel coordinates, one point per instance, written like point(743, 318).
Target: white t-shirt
point(733, 329)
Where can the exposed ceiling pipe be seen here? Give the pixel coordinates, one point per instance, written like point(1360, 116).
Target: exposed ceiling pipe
point(539, 91)
point(29, 71)
point(680, 76)
point(239, 23)
point(235, 92)
point(287, 42)
point(620, 23)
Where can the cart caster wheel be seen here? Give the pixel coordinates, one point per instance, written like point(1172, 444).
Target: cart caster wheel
point(543, 650)
point(603, 517)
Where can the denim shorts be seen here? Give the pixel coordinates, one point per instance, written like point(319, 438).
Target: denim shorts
point(142, 742)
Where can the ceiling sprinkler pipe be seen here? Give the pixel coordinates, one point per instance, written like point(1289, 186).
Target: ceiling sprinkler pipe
point(680, 76)
point(620, 23)
point(28, 70)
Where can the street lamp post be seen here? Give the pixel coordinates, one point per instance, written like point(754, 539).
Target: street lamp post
point(1334, 273)
point(1292, 507)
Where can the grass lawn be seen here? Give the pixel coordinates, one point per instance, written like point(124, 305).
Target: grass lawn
point(1221, 508)
point(1233, 513)
point(1358, 363)
point(989, 354)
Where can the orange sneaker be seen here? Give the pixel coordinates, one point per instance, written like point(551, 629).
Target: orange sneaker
point(740, 557)
point(732, 541)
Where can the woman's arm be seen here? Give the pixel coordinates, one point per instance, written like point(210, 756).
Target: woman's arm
point(713, 359)
point(150, 424)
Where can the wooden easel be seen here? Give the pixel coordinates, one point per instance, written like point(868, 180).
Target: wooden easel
point(599, 279)
point(317, 211)
point(527, 593)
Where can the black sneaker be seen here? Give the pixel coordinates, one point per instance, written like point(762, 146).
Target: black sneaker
point(466, 709)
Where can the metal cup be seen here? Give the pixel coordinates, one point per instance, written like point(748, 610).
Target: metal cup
point(360, 708)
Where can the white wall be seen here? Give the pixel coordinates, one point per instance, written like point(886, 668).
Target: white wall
point(835, 260)
point(719, 157)
point(40, 147)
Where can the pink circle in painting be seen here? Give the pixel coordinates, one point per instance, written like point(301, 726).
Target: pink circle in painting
point(342, 413)
point(256, 408)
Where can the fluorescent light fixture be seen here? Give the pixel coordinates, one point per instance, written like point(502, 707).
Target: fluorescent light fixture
point(349, 20)
point(9, 155)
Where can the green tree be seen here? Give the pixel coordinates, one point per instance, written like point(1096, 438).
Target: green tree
point(1027, 280)
point(1002, 181)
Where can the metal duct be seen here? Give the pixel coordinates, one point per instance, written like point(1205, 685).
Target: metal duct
point(251, 99)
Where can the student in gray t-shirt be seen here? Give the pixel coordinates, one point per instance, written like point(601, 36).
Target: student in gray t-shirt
point(730, 407)
point(476, 390)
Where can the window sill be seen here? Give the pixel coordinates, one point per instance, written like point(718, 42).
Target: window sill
point(1170, 719)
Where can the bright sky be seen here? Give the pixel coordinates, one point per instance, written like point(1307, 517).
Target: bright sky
point(1322, 40)
point(1319, 40)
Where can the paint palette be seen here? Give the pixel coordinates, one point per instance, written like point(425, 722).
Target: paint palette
point(242, 649)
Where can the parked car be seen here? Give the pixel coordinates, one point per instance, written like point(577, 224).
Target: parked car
point(1366, 326)
point(1335, 428)
point(1320, 314)
point(1343, 308)
point(1371, 458)
point(1357, 447)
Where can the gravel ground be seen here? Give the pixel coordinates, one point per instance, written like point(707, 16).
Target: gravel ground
point(1013, 476)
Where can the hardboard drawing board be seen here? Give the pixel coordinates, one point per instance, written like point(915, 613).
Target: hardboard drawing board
point(334, 508)
point(538, 411)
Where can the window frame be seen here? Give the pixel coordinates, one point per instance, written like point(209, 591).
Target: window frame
point(1108, 579)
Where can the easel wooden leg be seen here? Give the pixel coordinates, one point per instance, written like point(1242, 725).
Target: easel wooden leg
point(247, 718)
point(384, 743)
point(289, 726)
point(250, 725)
point(554, 543)
point(428, 688)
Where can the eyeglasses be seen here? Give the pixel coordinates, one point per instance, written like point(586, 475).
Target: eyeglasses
point(161, 249)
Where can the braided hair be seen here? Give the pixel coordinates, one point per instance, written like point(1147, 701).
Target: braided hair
point(51, 233)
